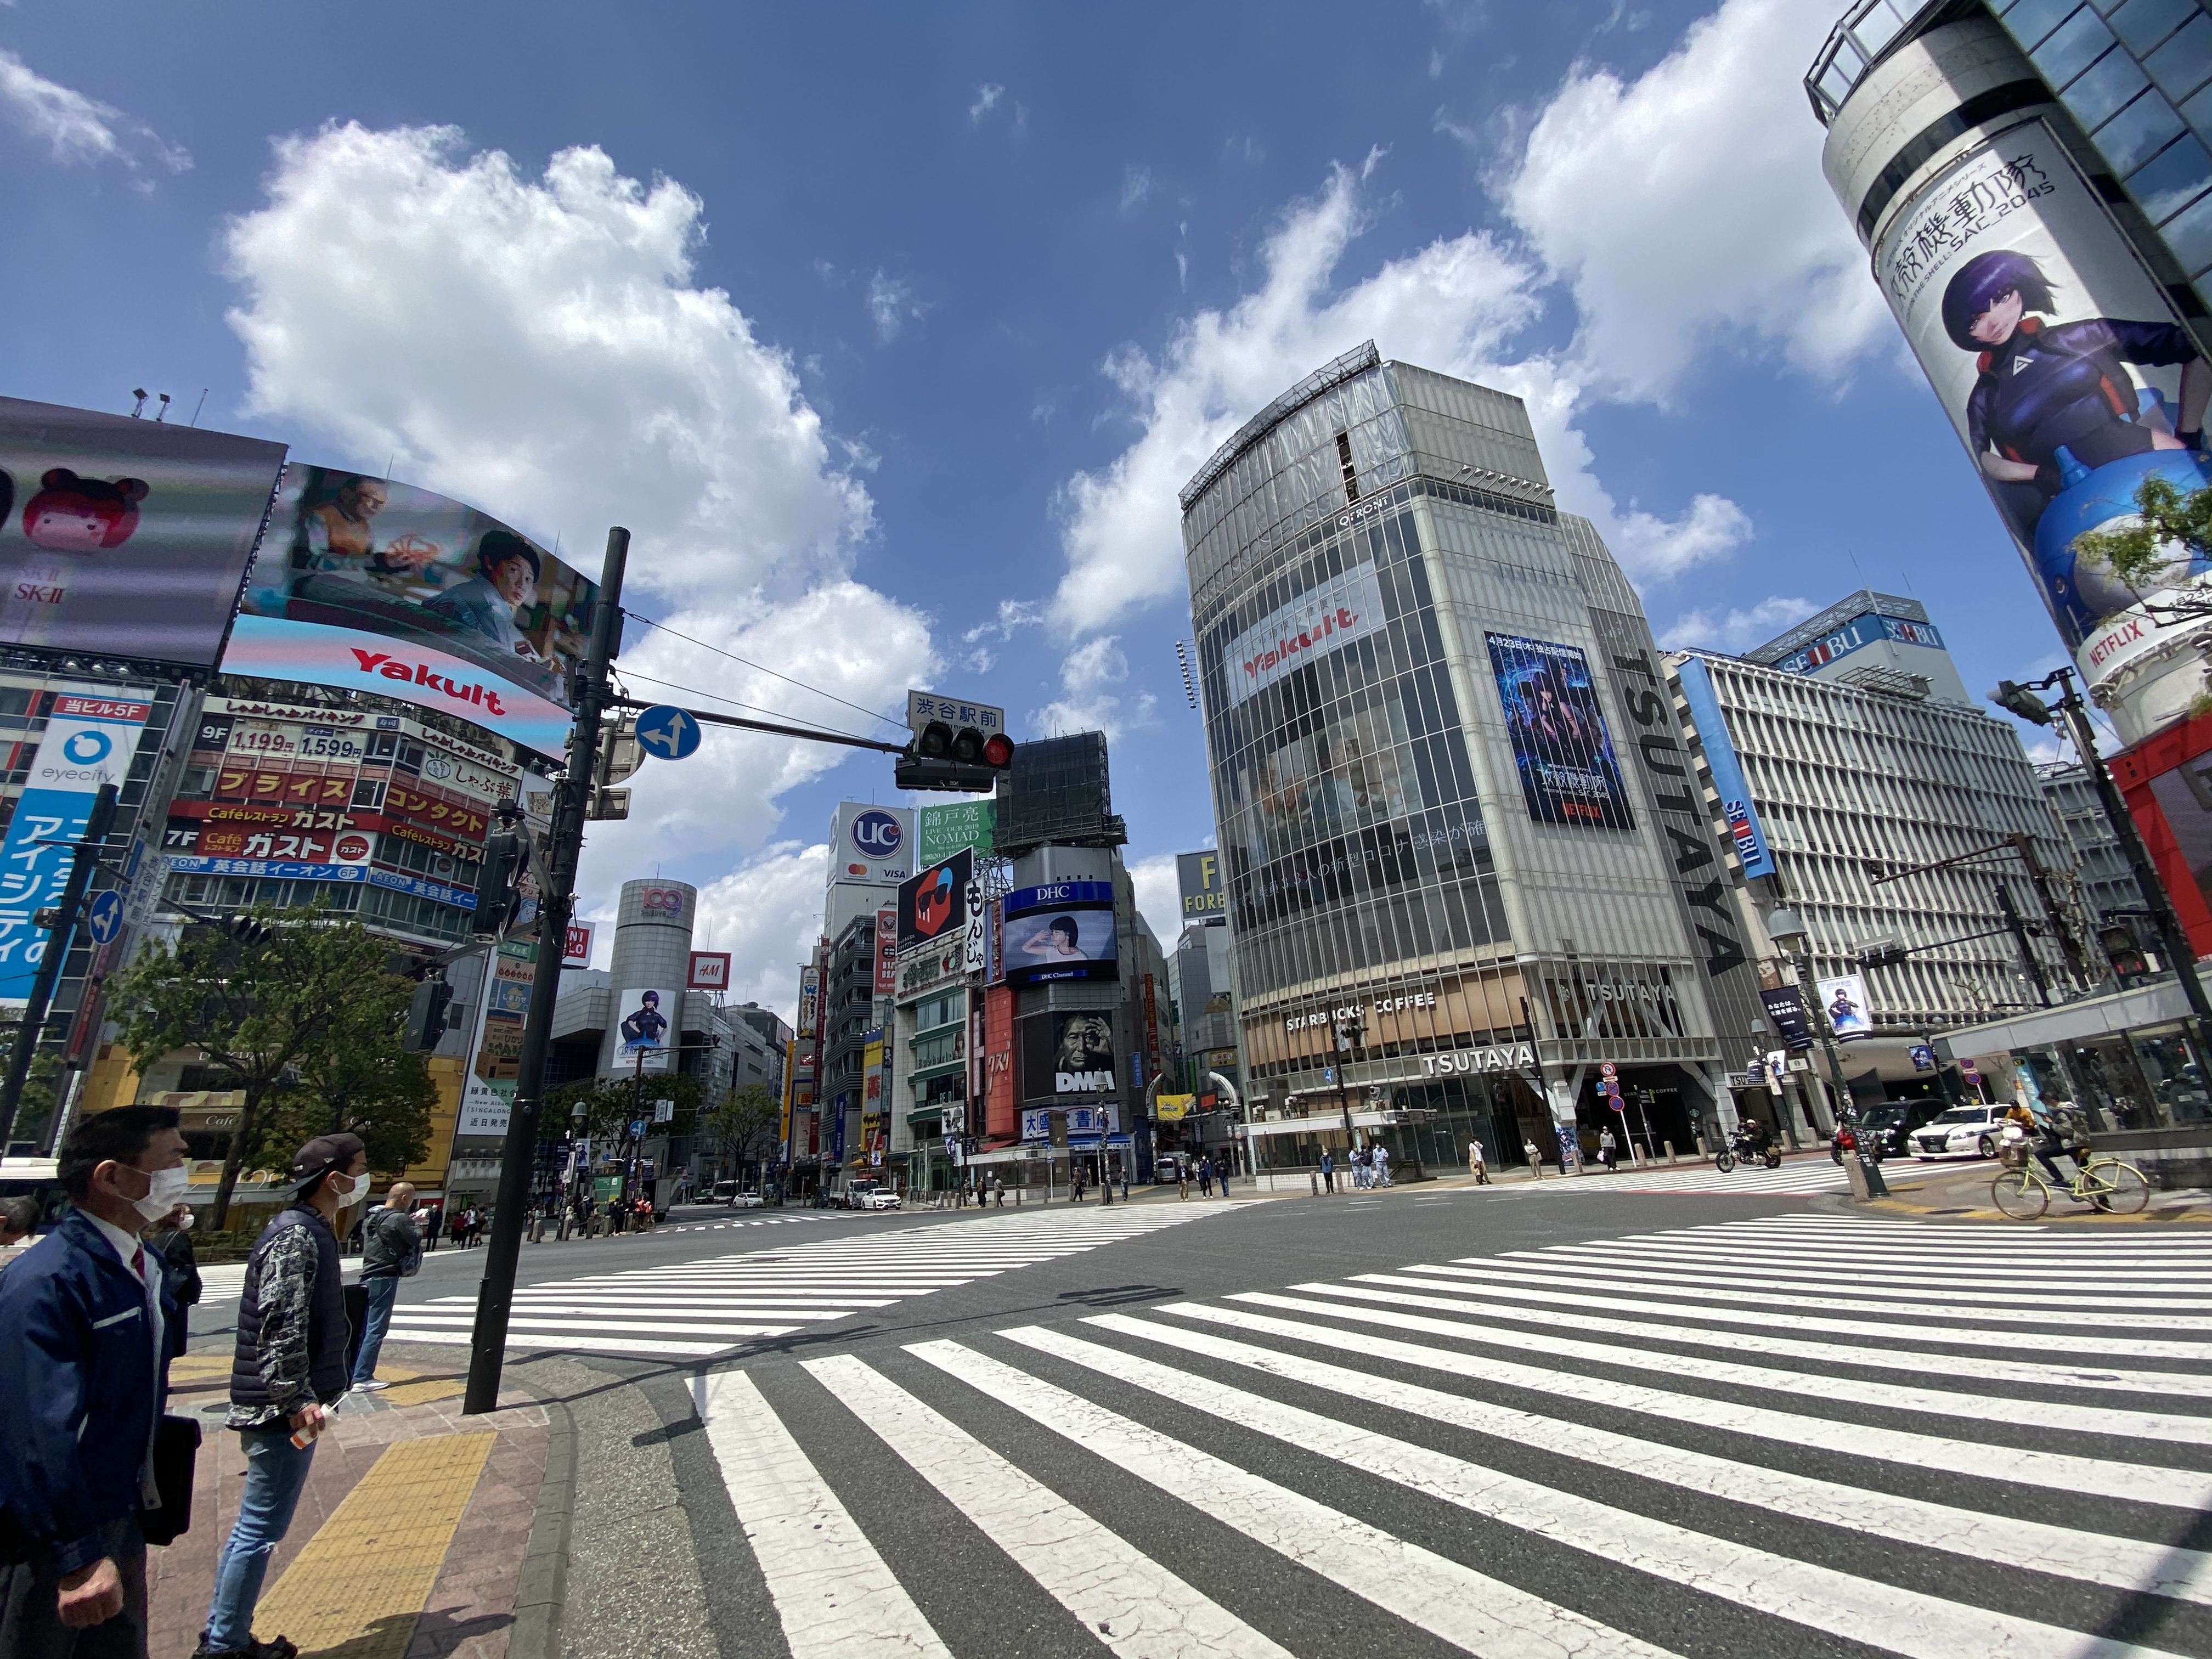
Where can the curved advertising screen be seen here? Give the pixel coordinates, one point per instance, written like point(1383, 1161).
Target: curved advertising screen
point(2061, 366)
point(380, 587)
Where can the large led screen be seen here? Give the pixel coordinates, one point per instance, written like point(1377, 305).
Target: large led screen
point(1064, 931)
point(383, 588)
point(1561, 746)
point(125, 538)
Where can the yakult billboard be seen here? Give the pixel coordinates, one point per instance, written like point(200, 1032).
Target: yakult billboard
point(2061, 364)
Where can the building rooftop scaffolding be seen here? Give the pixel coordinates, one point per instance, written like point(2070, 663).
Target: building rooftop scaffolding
point(1358, 360)
point(1057, 792)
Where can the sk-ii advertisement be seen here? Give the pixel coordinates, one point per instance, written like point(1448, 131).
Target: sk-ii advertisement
point(1561, 747)
point(2061, 365)
point(91, 735)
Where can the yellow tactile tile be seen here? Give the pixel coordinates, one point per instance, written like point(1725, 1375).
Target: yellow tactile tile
point(356, 1587)
point(417, 1393)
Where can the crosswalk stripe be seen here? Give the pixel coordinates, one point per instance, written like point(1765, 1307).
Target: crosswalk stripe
point(1504, 1302)
point(2059, 1471)
point(1138, 1608)
point(1841, 1604)
point(1442, 1597)
point(1640, 1265)
point(1495, 1272)
point(2120, 1563)
point(835, 1597)
point(2145, 1426)
point(1791, 1178)
point(751, 1295)
point(2027, 1256)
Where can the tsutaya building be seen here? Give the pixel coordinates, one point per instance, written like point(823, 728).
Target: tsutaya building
point(1451, 794)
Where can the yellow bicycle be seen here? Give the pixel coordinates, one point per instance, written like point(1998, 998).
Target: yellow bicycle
point(2103, 1184)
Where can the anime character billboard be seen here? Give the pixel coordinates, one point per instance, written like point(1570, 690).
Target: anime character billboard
point(645, 1036)
point(125, 538)
point(2060, 362)
point(362, 582)
point(1561, 746)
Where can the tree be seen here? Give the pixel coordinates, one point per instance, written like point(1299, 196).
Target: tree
point(357, 1078)
point(39, 1098)
point(611, 1104)
point(746, 1121)
point(311, 998)
point(2173, 533)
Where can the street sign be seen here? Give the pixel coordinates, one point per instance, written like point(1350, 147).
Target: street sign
point(103, 917)
point(666, 733)
point(924, 707)
point(1605, 1069)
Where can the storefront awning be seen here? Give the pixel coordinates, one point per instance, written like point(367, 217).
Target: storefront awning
point(2159, 1003)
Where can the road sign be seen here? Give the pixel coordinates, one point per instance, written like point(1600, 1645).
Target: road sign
point(922, 708)
point(1605, 1069)
point(103, 917)
point(666, 733)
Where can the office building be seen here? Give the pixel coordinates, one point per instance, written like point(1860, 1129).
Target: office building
point(1450, 796)
point(2107, 887)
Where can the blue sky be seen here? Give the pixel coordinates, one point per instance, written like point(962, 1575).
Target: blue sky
point(891, 331)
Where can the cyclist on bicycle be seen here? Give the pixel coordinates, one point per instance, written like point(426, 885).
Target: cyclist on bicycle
point(2043, 1134)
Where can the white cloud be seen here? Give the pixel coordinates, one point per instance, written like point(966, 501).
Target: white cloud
point(1137, 188)
point(539, 347)
point(892, 304)
point(767, 915)
point(75, 128)
point(1453, 306)
point(987, 100)
point(1160, 898)
point(1090, 676)
point(1735, 629)
point(1687, 213)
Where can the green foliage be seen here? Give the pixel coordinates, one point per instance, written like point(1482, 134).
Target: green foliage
point(746, 1121)
point(35, 1108)
point(2146, 555)
point(304, 1024)
point(611, 1104)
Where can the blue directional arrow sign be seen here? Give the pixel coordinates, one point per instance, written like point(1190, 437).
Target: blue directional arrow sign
point(103, 917)
point(668, 733)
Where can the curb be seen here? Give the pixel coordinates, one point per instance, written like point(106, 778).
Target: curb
point(541, 1589)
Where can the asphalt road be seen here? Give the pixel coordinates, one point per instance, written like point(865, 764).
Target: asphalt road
point(1520, 1420)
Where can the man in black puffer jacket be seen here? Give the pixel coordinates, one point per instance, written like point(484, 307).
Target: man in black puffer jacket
point(290, 1363)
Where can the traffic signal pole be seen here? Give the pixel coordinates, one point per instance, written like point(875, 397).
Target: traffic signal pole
point(571, 795)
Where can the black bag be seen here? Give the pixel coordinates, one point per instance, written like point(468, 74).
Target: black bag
point(176, 1449)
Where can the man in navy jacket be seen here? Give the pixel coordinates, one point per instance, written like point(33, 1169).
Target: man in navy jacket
point(83, 1377)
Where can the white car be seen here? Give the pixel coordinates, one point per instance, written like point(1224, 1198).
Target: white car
point(748, 1200)
point(1962, 1132)
point(867, 1195)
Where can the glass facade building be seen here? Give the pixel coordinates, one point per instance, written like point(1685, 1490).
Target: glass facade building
point(1420, 684)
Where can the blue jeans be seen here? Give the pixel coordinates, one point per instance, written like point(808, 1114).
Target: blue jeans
point(382, 1290)
point(275, 1470)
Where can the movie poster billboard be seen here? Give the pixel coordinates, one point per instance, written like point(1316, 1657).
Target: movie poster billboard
point(934, 906)
point(91, 737)
point(1082, 1051)
point(1562, 748)
point(646, 1035)
point(1844, 1000)
point(2061, 364)
point(1065, 930)
point(380, 587)
point(125, 538)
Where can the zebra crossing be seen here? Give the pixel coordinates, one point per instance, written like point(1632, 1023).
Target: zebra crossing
point(757, 1221)
point(1809, 1175)
point(694, 1309)
point(1795, 1434)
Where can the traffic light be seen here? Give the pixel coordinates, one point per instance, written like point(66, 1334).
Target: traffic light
point(497, 889)
point(426, 1016)
point(620, 754)
point(2016, 699)
point(960, 759)
point(244, 929)
point(2118, 941)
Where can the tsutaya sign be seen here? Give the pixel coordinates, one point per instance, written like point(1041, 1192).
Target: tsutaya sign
point(1512, 1057)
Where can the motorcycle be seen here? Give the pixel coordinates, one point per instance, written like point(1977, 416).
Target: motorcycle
point(1743, 1148)
point(1847, 1141)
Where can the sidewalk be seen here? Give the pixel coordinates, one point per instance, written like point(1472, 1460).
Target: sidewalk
point(1960, 1192)
point(422, 1534)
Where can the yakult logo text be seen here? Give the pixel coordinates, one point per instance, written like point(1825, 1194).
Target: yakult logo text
point(1307, 628)
point(423, 674)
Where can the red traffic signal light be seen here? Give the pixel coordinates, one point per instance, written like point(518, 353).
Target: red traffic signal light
point(999, 751)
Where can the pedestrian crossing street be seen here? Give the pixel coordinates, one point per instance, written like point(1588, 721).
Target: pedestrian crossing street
point(1790, 1434)
point(694, 1309)
point(760, 1221)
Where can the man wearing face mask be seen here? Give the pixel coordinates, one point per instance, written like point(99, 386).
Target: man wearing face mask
point(82, 1376)
point(289, 1365)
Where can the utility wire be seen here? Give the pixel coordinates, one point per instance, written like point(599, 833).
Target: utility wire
point(763, 668)
point(716, 696)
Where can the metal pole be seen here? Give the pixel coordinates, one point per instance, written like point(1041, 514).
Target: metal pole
point(82, 862)
point(1812, 997)
point(496, 1297)
point(2172, 942)
point(2018, 929)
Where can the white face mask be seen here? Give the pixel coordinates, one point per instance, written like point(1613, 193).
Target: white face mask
point(165, 1192)
point(350, 1187)
point(184, 1222)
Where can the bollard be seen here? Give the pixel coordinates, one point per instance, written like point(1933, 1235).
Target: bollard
point(1670, 1145)
point(1314, 1181)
